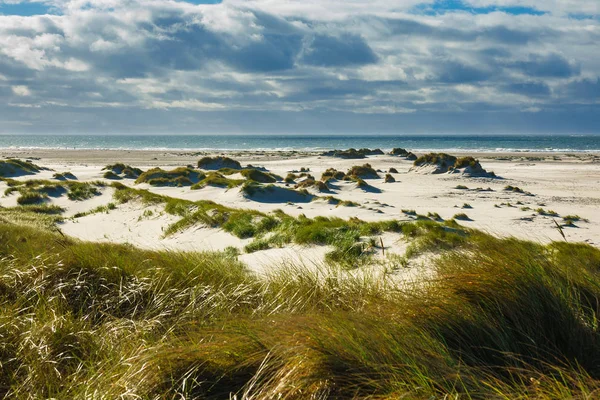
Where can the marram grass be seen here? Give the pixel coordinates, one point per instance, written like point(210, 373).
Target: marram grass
point(502, 318)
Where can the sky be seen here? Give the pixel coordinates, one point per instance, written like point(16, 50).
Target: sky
point(299, 66)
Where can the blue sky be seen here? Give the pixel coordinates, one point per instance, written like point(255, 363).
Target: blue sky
point(299, 66)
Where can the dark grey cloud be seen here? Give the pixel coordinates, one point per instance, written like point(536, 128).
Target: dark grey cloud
point(533, 89)
point(585, 89)
point(345, 50)
point(456, 72)
point(549, 66)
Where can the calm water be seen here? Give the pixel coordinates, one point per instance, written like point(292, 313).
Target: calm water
point(572, 143)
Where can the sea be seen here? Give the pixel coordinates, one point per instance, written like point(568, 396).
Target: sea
point(422, 143)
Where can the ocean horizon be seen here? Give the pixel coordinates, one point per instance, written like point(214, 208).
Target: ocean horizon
point(457, 143)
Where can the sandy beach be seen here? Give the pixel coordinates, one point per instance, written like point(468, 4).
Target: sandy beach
point(552, 187)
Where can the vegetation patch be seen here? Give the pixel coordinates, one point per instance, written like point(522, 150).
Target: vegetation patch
point(363, 172)
point(462, 217)
point(352, 153)
point(199, 325)
point(64, 176)
point(441, 163)
point(259, 176)
point(182, 176)
point(217, 180)
point(332, 173)
point(219, 162)
point(11, 168)
point(120, 170)
point(311, 183)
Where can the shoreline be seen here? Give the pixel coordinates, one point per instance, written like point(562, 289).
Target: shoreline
point(160, 157)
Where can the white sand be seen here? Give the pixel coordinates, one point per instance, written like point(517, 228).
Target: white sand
point(569, 185)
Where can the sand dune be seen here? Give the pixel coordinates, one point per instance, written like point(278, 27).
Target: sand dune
point(548, 192)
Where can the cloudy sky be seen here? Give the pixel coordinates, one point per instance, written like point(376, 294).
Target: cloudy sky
point(300, 66)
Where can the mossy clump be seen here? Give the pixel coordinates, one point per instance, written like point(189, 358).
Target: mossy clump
point(219, 162)
point(182, 176)
point(393, 171)
point(13, 168)
point(363, 172)
point(389, 178)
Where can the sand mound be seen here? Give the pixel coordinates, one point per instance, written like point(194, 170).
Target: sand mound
point(13, 168)
point(442, 163)
point(217, 163)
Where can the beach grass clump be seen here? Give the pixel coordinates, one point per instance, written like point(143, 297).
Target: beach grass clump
point(79, 191)
point(389, 178)
point(516, 189)
point(444, 163)
point(363, 172)
point(182, 176)
point(218, 162)
point(574, 218)
point(259, 176)
point(122, 171)
point(290, 178)
point(393, 170)
point(440, 159)
point(462, 217)
point(216, 179)
point(111, 175)
point(332, 173)
point(64, 176)
point(311, 183)
point(461, 187)
point(353, 153)
point(398, 151)
point(547, 213)
point(467, 205)
point(434, 216)
point(14, 168)
point(31, 197)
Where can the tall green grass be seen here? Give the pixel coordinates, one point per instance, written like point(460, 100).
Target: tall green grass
point(501, 318)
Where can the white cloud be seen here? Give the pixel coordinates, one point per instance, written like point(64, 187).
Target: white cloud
point(359, 57)
point(21, 90)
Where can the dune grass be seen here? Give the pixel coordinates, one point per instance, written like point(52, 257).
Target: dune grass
point(182, 176)
point(219, 162)
point(259, 176)
point(36, 191)
point(502, 318)
point(216, 179)
point(14, 167)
